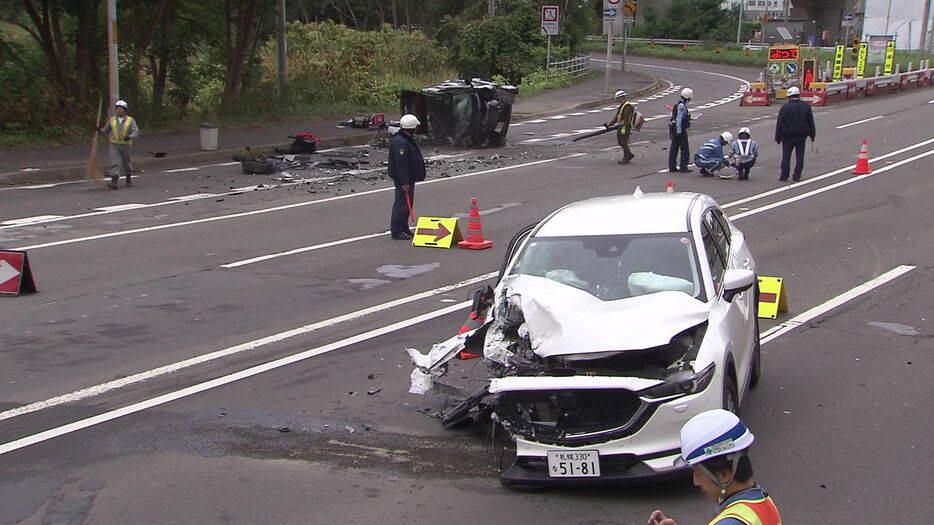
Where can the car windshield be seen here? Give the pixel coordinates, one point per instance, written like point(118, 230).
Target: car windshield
point(614, 267)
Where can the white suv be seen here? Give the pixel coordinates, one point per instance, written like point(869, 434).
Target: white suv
point(615, 320)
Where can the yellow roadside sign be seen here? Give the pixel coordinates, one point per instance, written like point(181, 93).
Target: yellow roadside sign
point(629, 8)
point(436, 232)
point(861, 60)
point(838, 64)
point(889, 56)
point(772, 298)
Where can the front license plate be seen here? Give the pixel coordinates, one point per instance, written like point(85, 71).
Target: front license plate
point(576, 464)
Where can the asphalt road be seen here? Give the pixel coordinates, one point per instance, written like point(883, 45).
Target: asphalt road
point(206, 388)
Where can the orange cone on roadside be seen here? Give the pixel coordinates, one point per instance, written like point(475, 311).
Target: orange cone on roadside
point(862, 163)
point(670, 188)
point(475, 240)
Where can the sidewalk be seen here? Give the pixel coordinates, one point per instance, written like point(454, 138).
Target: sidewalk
point(183, 148)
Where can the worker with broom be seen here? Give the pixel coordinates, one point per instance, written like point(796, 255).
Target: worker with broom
point(122, 129)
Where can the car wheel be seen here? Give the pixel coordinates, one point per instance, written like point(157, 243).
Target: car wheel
point(730, 397)
point(756, 359)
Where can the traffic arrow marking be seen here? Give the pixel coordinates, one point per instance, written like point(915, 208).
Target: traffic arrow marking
point(440, 232)
point(7, 272)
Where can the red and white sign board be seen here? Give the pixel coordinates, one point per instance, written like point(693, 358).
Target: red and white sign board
point(549, 20)
point(817, 97)
point(755, 98)
point(15, 274)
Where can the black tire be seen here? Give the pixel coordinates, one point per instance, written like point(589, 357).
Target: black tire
point(730, 397)
point(255, 167)
point(756, 374)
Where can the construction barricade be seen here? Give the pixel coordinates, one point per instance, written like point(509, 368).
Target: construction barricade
point(756, 95)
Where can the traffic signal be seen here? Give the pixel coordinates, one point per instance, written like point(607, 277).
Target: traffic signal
point(855, 48)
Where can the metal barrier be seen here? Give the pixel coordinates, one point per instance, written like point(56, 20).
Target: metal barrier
point(575, 67)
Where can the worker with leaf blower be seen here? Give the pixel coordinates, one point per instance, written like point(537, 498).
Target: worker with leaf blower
point(625, 119)
point(122, 129)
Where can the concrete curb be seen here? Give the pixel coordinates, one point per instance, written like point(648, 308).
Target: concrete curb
point(142, 165)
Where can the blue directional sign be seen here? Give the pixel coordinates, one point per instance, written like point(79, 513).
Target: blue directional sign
point(791, 68)
point(609, 12)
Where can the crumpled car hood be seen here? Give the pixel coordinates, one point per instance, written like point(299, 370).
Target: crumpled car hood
point(565, 321)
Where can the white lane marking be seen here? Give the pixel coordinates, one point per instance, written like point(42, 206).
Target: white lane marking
point(804, 317)
point(179, 170)
point(855, 178)
point(102, 388)
point(193, 197)
point(34, 187)
point(533, 140)
point(225, 164)
point(286, 206)
point(372, 334)
point(821, 177)
point(536, 121)
point(931, 102)
point(29, 220)
point(122, 207)
point(595, 111)
point(312, 248)
point(223, 380)
point(858, 122)
point(576, 114)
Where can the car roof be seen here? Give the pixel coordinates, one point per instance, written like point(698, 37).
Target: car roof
point(624, 215)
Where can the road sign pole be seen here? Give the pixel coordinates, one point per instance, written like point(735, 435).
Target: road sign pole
point(609, 57)
point(548, 56)
point(622, 66)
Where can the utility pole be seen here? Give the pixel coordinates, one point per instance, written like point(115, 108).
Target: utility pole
point(282, 52)
point(609, 57)
point(888, 12)
point(739, 26)
point(785, 11)
point(925, 16)
point(492, 8)
point(112, 62)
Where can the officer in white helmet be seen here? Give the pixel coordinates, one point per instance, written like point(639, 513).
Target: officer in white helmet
point(745, 153)
point(624, 118)
point(715, 445)
point(709, 158)
point(406, 167)
point(794, 125)
point(122, 129)
point(678, 127)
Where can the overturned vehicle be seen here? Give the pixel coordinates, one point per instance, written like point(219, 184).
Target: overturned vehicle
point(614, 321)
point(470, 112)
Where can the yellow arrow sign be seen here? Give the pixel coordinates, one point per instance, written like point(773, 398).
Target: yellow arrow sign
point(436, 232)
point(772, 298)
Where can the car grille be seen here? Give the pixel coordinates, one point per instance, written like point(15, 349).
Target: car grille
point(562, 416)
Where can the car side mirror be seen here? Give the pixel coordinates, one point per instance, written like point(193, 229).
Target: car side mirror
point(737, 281)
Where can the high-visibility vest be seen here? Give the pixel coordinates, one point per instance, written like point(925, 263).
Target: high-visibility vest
point(760, 511)
point(624, 126)
point(119, 136)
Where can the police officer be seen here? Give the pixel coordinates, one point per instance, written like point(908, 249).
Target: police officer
point(406, 167)
point(745, 153)
point(715, 445)
point(624, 117)
point(795, 124)
point(709, 158)
point(122, 129)
point(678, 131)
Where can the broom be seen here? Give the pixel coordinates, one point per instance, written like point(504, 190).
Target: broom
point(94, 171)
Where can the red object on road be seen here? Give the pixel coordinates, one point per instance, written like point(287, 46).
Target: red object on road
point(15, 274)
point(862, 163)
point(475, 240)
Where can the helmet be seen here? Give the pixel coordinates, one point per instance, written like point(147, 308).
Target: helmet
point(687, 93)
point(121, 104)
point(727, 137)
point(620, 93)
point(793, 91)
point(744, 130)
point(409, 121)
point(711, 434)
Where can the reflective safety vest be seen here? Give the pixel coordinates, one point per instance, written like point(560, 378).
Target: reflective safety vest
point(119, 136)
point(624, 125)
point(760, 511)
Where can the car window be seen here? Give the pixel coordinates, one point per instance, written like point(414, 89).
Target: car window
point(715, 258)
point(614, 267)
point(724, 225)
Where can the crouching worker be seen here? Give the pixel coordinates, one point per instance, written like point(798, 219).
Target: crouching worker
point(709, 158)
point(745, 152)
point(715, 445)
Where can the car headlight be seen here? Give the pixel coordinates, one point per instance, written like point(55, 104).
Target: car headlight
point(680, 384)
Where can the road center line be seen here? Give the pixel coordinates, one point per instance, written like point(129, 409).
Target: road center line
point(304, 249)
point(285, 207)
point(372, 334)
point(102, 388)
point(877, 117)
point(804, 317)
point(822, 177)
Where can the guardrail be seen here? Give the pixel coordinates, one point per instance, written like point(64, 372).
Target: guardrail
point(575, 67)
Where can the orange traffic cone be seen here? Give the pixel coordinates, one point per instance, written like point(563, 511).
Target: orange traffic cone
point(475, 240)
point(862, 163)
point(670, 188)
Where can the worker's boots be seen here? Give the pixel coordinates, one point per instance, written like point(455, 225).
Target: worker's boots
point(129, 181)
point(113, 183)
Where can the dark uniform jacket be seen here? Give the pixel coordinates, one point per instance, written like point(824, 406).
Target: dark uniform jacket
point(406, 163)
point(795, 120)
